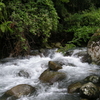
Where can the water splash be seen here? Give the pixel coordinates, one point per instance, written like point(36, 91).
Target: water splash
point(73, 67)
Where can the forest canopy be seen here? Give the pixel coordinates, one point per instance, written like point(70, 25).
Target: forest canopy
point(35, 24)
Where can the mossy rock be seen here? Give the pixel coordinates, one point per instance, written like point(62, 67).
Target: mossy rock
point(95, 37)
point(18, 91)
point(89, 91)
point(75, 87)
point(49, 76)
point(54, 66)
point(93, 48)
point(92, 78)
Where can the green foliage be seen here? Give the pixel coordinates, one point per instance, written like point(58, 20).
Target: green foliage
point(4, 27)
point(66, 48)
point(38, 18)
point(83, 25)
point(2, 5)
point(4, 24)
point(34, 20)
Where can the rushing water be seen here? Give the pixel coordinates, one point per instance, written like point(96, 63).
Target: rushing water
point(73, 67)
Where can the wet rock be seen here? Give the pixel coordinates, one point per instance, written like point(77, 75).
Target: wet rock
point(81, 53)
point(69, 53)
point(47, 52)
point(49, 76)
point(58, 45)
point(35, 52)
point(86, 58)
point(23, 73)
point(93, 48)
point(54, 66)
point(18, 91)
point(75, 87)
point(8, 98)
point(89, 91)
point(92, 78)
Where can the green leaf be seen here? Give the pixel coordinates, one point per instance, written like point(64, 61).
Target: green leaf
point(2, 28)
point(2, 4)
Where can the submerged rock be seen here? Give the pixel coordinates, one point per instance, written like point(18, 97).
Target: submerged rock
point(75, 87)
point(89, 91)
point(23, 73)
point(69, 52)
point(49, 76)
point(93, 48)
point(18, 91)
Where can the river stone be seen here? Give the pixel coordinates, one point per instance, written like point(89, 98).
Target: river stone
point(92, 78)
point(86, 58)
point(49, 76)
point(54, 66)
point(89, 91)
point(23, 73)
point(74, 87)
point(20, 90)
point(69, 52)
point(93, 48)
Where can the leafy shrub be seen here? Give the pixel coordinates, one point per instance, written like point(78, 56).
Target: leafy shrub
point(83, 25)
point(66, 48)
point(38, 18)
point(4, 24)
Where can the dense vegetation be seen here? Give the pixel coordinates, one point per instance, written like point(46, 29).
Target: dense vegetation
point(32, 24)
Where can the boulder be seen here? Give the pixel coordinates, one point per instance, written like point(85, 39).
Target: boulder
point(86, 58)
point(89, 91)
point(19, 90)
point(54, 66)
point(80, 53)
point(49, 76)
point(92, 78)
point(93, 48)
point(75, 87)
point(69, 52)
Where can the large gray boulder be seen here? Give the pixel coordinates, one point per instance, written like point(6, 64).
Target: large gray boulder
point(93, 48)
point(18, 91)
point(89, 91)
point(49, 76)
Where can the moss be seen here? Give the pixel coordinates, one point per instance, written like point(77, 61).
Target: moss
point(95, 38)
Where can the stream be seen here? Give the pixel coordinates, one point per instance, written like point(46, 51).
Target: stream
point(72, 66)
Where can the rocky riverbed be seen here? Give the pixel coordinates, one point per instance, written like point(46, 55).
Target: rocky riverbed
point(50, 75)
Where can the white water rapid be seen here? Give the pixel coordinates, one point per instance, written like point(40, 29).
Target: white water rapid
point(35, 65)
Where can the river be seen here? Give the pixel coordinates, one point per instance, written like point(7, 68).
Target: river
point(73, 67)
